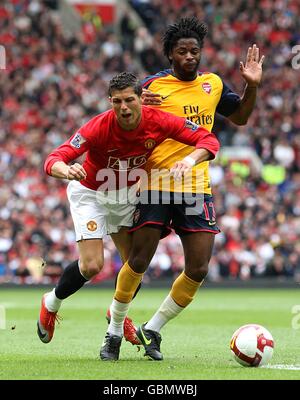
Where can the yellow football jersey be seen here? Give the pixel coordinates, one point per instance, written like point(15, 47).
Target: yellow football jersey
point(198, 101)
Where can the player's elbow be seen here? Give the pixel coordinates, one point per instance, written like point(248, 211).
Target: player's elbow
point(213, 147)
point(50, 164)
point(238, 119)
point(241, 122)
point(217, 145)
point(47, 166)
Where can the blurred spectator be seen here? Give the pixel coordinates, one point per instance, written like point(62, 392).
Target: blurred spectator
point(127, 31)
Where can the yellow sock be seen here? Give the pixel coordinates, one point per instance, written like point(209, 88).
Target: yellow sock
point(127, 283)
point(184, 290)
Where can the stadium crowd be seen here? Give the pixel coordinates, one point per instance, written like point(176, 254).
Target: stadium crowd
point(55, 81)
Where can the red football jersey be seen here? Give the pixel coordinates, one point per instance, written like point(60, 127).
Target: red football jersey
point(110, 148)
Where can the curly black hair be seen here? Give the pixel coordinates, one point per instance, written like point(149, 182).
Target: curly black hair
point(123, 81)
point(183, 28)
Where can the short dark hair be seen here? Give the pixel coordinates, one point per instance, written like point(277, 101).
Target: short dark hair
point(183, 28)
point(123, 81)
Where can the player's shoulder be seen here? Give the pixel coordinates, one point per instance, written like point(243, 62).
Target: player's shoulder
point(104, 116)
point(154, 117)
point(150, 113)
point(154, 112)
point(95, 125)
point(100, 119)
point(212, 76)
point(146, 82)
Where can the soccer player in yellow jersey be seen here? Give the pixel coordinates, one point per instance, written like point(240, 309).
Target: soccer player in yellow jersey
point(186, 92)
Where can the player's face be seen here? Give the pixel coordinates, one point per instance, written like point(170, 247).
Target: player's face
point(128, 108)
point(185, 58)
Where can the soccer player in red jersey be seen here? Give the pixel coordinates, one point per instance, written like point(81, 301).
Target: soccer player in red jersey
point(102, 191)
point(184, 91)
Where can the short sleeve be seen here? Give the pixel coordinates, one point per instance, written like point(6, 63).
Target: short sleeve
point(229, 102)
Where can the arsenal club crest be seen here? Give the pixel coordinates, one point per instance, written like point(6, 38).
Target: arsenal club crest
point(206, 87)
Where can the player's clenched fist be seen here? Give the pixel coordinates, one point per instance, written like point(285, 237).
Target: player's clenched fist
point(76, 172)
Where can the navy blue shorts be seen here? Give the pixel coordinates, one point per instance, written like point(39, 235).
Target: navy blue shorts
point(183, 212)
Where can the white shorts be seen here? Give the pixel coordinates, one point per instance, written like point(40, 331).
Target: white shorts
point(96, 214)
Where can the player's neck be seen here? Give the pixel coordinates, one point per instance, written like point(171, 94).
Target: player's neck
point(184, 76)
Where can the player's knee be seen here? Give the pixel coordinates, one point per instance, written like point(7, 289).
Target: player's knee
point(203, 271)
point(90, 267)
point(197, 272)
point(138, 264)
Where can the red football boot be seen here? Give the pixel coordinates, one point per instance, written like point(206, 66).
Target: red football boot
point(46, 323)
point(129, 330)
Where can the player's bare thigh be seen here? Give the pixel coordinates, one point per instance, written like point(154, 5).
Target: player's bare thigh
point(123, 243)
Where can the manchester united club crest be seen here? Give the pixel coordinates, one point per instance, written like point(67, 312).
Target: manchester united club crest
point(92, 226)
point(150, 143)
point(206, 87)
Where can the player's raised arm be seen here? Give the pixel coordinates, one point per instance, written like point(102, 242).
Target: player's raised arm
point(251, 71)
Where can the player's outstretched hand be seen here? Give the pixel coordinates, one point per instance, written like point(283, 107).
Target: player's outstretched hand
point(151, 99)
point(252, 69)
point(76, 172)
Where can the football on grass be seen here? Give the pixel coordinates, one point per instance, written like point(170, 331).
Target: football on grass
point(252, 345)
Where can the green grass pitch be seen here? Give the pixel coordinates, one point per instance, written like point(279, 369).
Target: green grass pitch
point(195, 344)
